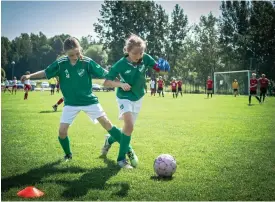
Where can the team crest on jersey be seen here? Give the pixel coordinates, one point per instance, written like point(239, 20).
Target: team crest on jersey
point(128, 71)
point(141, 68)
point(81, 72)
point(122, 106)
point(67, 74)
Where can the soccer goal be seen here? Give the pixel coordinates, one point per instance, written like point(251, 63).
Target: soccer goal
point(223, 81)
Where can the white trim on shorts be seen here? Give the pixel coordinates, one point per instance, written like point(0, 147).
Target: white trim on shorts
point(94, 111)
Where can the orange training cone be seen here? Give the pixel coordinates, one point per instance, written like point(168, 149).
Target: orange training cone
point(30, 192)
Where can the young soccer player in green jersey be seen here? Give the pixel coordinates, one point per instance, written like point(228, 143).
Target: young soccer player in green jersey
point(75, 76)
point(132, 69)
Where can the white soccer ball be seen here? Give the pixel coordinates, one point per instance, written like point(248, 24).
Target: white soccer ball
point(165, 165)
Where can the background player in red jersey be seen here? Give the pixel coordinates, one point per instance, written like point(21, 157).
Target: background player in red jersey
point(263, 87)
point(160, 86)
point(57, 84)
point(174, 87)
point(209, 85)
point(59, 102)
point(253, 88)
point(179, 87)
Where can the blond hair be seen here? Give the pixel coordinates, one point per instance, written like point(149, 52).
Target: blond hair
point(134, 41)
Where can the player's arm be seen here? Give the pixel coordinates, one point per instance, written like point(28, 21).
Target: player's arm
point(253, 85)
point(96, 70)
point(36, 75)
point(112, 81)
point(51, 71)
point(151, 63)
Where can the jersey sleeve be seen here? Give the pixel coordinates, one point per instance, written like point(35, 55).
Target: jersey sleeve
point(96, 70)
point(52, 70)
point(149, 61)
point(113, 73)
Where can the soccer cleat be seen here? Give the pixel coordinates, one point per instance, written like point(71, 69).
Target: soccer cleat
point(133, 158)
point(55, 108)
point(106, 146)
point(124, 164)
point(68, 157)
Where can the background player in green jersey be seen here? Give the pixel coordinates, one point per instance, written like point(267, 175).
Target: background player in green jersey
point(75, 76)
point(131, 69)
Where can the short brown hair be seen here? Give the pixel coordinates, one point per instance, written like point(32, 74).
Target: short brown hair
point(27, 72)
point(71, 43)
point(134, 41)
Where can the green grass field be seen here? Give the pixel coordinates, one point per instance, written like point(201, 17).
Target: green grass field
point(223, 147)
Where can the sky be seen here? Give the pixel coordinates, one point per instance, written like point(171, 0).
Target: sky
point(76, 18)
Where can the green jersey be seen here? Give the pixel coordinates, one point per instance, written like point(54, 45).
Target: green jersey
point(133, 74)
point(76, 80)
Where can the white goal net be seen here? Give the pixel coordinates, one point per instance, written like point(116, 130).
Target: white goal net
point(223, 81)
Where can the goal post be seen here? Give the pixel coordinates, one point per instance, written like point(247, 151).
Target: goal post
point(223, 81)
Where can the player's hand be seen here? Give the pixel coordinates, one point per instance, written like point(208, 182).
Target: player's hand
point(25, 77)
point(125, 86)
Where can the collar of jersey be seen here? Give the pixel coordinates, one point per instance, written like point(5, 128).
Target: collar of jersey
point(132, 63)
point(71, 63)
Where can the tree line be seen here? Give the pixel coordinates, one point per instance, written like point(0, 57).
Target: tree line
point(242, 38)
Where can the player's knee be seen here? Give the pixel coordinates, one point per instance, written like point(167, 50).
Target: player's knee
point(128, 129)
point(105, 122)
point(63, 132)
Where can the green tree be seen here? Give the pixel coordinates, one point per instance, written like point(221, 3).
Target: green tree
point(97, 53)
point(121, 18)
point(84, 42)
point(177, 32)
point(5, 49)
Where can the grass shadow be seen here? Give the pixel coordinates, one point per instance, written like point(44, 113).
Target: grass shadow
point(48, 111)
point(95, 179)
point(159, 178)
point(36, 175)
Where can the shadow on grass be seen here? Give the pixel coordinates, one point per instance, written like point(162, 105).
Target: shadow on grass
point(95, 178)
point(158, 178)
point(48, 111)
point(35, 175)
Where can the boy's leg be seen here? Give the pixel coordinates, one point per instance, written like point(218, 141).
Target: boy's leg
point(26, 94)
point(64, 140)
point(261, 94)
point(258, 98)
point(60, 101)
point(68, 115)
point(129, 115)
point(264, 94)
point(97, 114)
